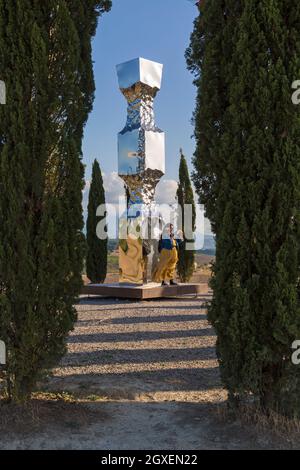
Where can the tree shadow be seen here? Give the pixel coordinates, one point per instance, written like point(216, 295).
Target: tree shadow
point(128, 426)
point(144, 319)
point(97, 300)
point(129, 385)
point(158, 318)
point(138, 336)
point(140, 356)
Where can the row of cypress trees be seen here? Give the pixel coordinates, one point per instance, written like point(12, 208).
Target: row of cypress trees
point(245, 55)
point(46, 64)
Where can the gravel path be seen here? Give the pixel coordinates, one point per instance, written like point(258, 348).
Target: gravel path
point(148, 378)
point(143, 351)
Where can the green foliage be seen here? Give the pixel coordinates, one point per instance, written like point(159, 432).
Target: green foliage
point(245, 56)
point(113, 264)
point(46, 64)
point(96, 264)
point(185, 196)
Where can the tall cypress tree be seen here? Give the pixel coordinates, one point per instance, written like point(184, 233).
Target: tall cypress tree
point(96, 263)
point(185, 197)
point(245, 55)
point(43, 47)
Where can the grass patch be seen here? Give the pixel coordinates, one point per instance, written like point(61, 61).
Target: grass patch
point(275, 426)
point(49, 412)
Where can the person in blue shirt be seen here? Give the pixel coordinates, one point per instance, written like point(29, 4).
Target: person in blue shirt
point(168, 249)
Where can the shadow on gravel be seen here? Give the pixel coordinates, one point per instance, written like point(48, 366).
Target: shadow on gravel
point(125, 356)
point(139, 336)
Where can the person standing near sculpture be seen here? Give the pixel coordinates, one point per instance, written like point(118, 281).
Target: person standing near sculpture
point(168, 249)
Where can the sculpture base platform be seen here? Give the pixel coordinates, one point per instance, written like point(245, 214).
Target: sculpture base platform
point(145, 292)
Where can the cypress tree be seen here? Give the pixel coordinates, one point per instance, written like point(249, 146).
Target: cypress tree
point(96, 264)
point(185, 196)
point(245, 56)
point(43, 47)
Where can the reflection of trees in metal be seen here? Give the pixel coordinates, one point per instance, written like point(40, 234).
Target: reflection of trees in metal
point(140, 111)
point(141, 142)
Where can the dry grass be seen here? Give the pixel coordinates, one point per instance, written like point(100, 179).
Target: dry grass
point(278, 427)
point(47, 410)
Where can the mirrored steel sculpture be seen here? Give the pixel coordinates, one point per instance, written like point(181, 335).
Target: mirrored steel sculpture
point(141, 150)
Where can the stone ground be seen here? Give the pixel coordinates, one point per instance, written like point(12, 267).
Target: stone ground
point(145, 376)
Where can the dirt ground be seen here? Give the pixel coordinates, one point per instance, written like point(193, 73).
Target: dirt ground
point(138, 375)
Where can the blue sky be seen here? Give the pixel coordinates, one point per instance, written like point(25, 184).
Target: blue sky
point(158, 30)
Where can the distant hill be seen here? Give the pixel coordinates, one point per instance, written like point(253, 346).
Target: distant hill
point(112, 245)
point(208, 249)
point(209, 245)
